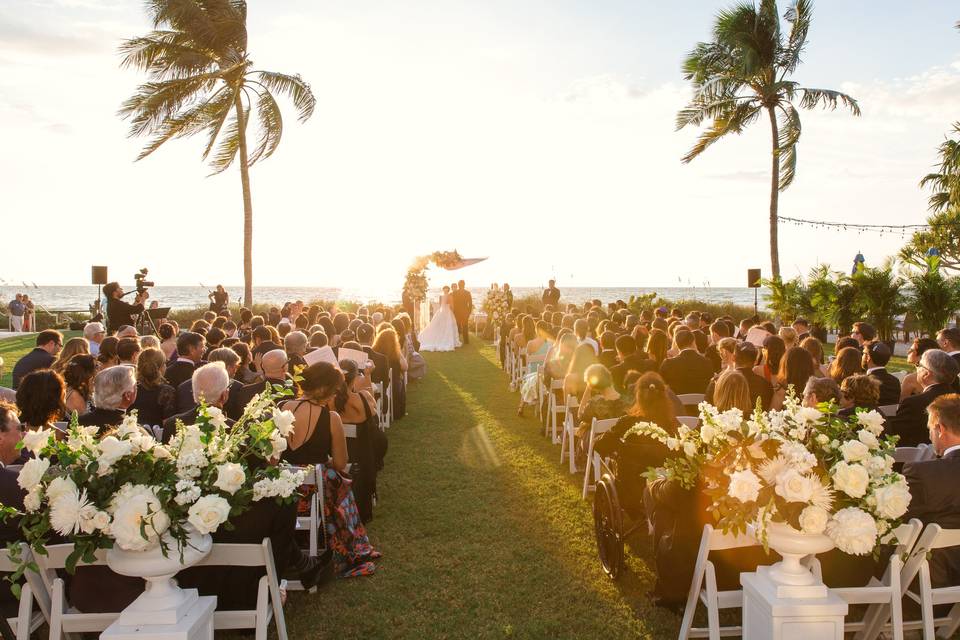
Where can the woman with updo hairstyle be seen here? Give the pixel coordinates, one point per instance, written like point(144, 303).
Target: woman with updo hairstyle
point(156, 400)
point(40, 399)
point(910, 386)
point(317, 437)
point(727, 349)
point(245, 373)
point(72, 347)
point(108, 353)
point(78, 376)
point(168, 340)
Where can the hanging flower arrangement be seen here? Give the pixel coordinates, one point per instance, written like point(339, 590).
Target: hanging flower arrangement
point(415, 284)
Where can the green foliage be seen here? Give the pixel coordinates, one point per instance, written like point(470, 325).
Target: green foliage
point(823, 296)
point(934, 298)
point(879, 297)
point(943, 235)
point(944, 183)
point(787, 299)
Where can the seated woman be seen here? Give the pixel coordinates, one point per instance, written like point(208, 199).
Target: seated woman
point(72, 347)
point(318, 438)
point(108, 353)
point(656, 347)
point(770, 357)
point(574, 383)
point(156, 400)
point(846, 364)
point(539, 345)
point(727, 348)
point(557, 363)
point(819, 391)
point(386, 343)
point(600, 401)
point(168, 340)
point(356, 406)
point(910, 386)
point(815, 349)
point(78, 376)
point(859, 391)
point(732, 392)
point(40, 399)
point(796, 367)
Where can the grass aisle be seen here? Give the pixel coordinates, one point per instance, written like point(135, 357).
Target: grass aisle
point(484, 535)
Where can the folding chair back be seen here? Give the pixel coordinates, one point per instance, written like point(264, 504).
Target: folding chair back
point(703, 588)
point(914, 454)
point(268, 590)
point(689, 421)
point(597, 428)
point(569, 429)
point(918, 566)
point(888, 410)
point(27, 620)
point(62, 618)
point(313, 523)
point(555, 409)
point(690, 399)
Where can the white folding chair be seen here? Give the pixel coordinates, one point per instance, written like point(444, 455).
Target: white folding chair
point(689, 421)
point(690, 399)
point(555, 409)
point(569, 432)
point(914, 454)
point(884, 596)
point(63, 618)
point(703, 588)
point(269, 605)
point(32, 590)
point(917, 566)
point(888, 410)
point(597, 428)
point(314, 523)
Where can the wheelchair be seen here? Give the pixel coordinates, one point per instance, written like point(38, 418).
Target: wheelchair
point(612, 523)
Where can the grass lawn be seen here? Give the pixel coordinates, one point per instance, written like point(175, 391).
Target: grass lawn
point(12, 349)
point(483, 534)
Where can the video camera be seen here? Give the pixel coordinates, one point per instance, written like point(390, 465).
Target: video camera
point(141, 282)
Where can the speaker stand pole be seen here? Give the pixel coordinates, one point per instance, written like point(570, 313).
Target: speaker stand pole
point(755, 292)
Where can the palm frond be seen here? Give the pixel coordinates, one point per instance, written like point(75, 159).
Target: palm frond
point(155, 101)
point(165, 55)
point(798, 14)
point(184, 124)
point(230, 142)
point(789, 136)
point(828, 99)
point(271, 127)
point(733, 121)
point(224, 108)
point(295, 87)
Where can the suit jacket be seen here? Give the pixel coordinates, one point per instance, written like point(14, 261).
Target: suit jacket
point(179, 372)
point(712, 353)
point(239, 399)
point(759, 388)
point(33, 361)
point(185, 399)
point(910, 423)
point(462, 304)
point(608, 358)
point(688, 372)
point(187, 417)
point(701, 339)
point(11, 495)
point(934, 499)
point(103, 418)
point(381, 366)
point(638, 362)
point(956, 382)
point(889, 387)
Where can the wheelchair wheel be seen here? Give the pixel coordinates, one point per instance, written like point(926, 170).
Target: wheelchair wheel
point(608, 526)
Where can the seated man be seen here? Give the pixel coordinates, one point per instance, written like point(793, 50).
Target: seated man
point(127, 350)
point(295, 344)
point(49, 343)
point(114, 390)
point(231, 361)
point(94, 332)
point(935, 373)
point(934, 497)
point(630, 360)
point(211, 384)
point(274, 368)
point(11, 495)
point(688, 371)
point(190, 349)
point(876, 355)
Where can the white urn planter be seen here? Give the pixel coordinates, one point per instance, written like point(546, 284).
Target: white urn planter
point(793, 546)
point(162, 602)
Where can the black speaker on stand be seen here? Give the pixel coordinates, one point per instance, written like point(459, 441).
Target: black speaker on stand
point(98, 276)
point(753, 281)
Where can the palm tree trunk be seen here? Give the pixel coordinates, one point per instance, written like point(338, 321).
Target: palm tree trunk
point(774, 195)
point(247, 207)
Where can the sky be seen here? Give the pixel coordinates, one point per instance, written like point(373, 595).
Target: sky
point(538, 134)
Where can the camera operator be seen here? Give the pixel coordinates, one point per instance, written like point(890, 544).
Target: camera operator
point(119, 312)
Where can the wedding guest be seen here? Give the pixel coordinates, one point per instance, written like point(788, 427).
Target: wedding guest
point(40, 398)
point(386, 343)
point(29, 315)
point(859, 391)
point(745, 355)
point(551, 295)
point(114, 391)
point(48, 345)
point(688, 372)
point(910, 386)
point(295, 344)
point(318, 438)
point(936, 371)
point(726, 350)
point(127, 331)
point(630, 359)
point(772, 352)
point(802, 327)
point(949, 341)
point(863, 332)
point(168, 340)
point(381, 366)
point(844, 342)
point(581, 328)
point(71, 347)
point(211, 386)
point(600, 401)
point(245, 374)
point(657, 345)
point(732, 392)
point(263, 342)
point(108, 353)
point(789, 337)
point(94, 332)
point(608, 353)
point(796, 367)
point(574, 383)
point(190, 350)
point(718, 331)
point(274, 372)
point(16, 309)
point(847, 363)
point(820, 391)
point(815, 348)
point(127, 351)
point(156, 400)
point(933, 494)
point(78, 376)
point(11, 495)
point(876, 355)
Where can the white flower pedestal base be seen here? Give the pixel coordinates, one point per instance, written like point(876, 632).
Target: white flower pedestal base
point(163, 611)
point(786, 601)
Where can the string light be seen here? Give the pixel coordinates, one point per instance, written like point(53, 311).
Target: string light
point(862, 228)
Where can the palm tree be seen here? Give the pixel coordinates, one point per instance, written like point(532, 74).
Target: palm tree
point(200, 79)
point(743, 72)
point(945, 183)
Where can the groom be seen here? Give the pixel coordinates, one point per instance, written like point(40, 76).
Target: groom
point(462, 308)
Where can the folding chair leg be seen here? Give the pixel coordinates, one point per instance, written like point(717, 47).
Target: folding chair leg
point(713, 612)
point(926, 604)
point(953, 622)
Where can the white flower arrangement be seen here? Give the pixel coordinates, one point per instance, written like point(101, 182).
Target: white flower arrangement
point(128, 490)
point(802, 466)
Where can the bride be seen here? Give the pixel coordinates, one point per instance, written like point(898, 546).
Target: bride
point(442, 333)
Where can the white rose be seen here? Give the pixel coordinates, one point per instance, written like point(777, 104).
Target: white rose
point(744, 486)
point(798, 456)
point(101, 521)
point(217, 418)
point(872, 421)
point(877, 466)
point(854, 451)
point(59, 486)
point(279, 444)
point(673, 444)
point(283, 421)
point(853, 530)
point(31, 501)
point(230, 477)
point(34, 441)
point(690, 448)
point(868, 438)
point(137, 506)
point(892, 500)
point(708, 433)
point(852, 479)
point(793, 486)
point(208, 513)
point(32, 472)
point(813, 519)
point(806, 415)
point(112, 449)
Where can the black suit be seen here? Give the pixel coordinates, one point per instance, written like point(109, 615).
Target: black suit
point(956, 382)
point(712, 353)
point(179, 372)
point(381, 366)
point(462, 308)
point(11, 495)
point(185, 399)
point(103, 418)
point(759, 388)
point(33, 361)
point(120, 313)
point(243, 395)
point(910, 423)
point(638, 362)
point(701, 339)
point(934, 499)
point(187, 417)
point(889, 386)
point(608, 358)
point(688, 372)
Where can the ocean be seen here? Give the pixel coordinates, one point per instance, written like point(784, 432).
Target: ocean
point(78, 298)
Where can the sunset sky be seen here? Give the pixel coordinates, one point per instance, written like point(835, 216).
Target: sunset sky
point(537, 133)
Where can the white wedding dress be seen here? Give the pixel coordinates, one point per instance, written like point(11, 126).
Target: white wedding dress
point(442, 333)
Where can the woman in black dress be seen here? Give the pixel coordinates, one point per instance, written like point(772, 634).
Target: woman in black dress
point(156, 400)
point(388, 344)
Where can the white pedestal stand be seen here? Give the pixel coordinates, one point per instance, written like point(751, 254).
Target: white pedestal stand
point(773, 611)
point(195, 624)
